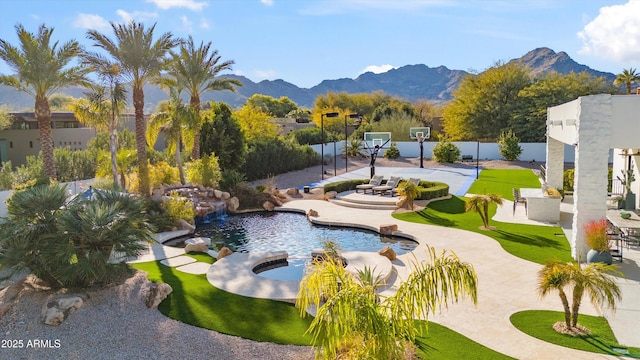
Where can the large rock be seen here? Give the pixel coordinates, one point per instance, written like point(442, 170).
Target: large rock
point(184, 225)
point(388, 252)
point(312, 213)
point(11, 290)
point(268, 205)
point(217, 193)
point(157, 293)
point(226, 195)
point(293, 191)
point(195, 248)
point(56, 311)
point(225, 251)
point(233, 204)
point(330, 194)
point(388, 229)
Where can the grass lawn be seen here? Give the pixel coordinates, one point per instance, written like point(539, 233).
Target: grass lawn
point(530, 242)
point(538, 323)
point(194, 301)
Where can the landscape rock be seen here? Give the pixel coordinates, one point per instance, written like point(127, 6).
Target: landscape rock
point(196, 248)
point(312, 213)
point(388, 252)
point(293, 191)
point(233, 204)
point(330, 194)
point(9, 293)
point(388, 229)
point(217, 193)
point(225, 251)
point(184, 225)
point(268, 205)
point(226, 195)
point(56, 311)
point(157, 293)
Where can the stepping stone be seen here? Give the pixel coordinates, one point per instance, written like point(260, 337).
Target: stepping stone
point(178, 261)
point(196, 268)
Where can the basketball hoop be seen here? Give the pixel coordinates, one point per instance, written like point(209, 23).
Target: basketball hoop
point(419, 138)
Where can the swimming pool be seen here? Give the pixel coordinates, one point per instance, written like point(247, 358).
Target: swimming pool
point(290, 232)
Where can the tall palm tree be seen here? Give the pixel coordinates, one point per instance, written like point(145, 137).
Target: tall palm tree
point(139, 58)
point(42, 68)
point(195, 69)
point(351, 311)
point(627, 76)
point(594, 279)
point(171, 120)
point(104, 104)
point(480, 204)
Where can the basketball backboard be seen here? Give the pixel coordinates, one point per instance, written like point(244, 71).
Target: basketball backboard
point(382, 139)
point(425, 132)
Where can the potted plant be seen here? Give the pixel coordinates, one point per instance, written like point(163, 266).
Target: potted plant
point(628, 177)
point(595, 233)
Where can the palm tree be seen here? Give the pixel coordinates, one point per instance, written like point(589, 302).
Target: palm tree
point(350, 310)
point(103, 105)
point(195, 69)
point(139, 58)
point(592, 278)
point(627, 76)
point(41, 69)
point(171, 120)
point(480, 204)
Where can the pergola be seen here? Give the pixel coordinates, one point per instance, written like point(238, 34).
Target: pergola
point(593, 125)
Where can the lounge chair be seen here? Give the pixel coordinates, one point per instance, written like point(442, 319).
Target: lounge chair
point(376, 180)
point(391, 185)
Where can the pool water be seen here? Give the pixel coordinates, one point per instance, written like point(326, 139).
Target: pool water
point(290, 232)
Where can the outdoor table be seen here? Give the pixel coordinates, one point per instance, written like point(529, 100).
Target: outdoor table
point(628, 226)
point(541, 207)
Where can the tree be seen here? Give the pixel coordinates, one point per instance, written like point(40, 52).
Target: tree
point(6, 119)
point(350, 311)
point(139, 58)
point(594, 279)
point(480, 204)
point(255, 123)
point(484, 104)
point(171, 121)
point(103, 105)
point(196, 70)
point(275, 107)
point(41, 69)
point(508, 145)
point(71, 243)
point(222, 135)
point(626, 77)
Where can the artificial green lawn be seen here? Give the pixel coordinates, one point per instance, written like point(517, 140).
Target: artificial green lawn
point(443, 343)
point(539, 323)
point(530, 242)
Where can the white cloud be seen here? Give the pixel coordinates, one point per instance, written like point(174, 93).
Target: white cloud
point(267, 2)
point(186, 24)
point(204, 23)
point(91, 21)
point(264, 74)
point(138, 16)
point(189, 4)
point(377, 69)
point(614, 33)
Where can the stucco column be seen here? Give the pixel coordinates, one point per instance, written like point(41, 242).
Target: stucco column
point(591, 165)
point(555, 163)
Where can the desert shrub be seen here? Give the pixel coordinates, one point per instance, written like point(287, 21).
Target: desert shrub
point(70, 243)
point(249, 197)
point(32, 170)
point(231, 178)
point(74, 164)
point(204, 171)
point(178, 207)
point(509, 145)
point(162, 173)
point(105, 184)
point(446, 152)
point(261, 188)
point(355, 148)
point(6, 176)
point(568, 178)
point(308, 136)
point(392, 152)
point(263, 153)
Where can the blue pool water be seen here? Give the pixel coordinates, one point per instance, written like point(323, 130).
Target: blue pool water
point(290, 232)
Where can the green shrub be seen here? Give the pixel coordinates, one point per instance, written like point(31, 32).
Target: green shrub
point(446, 152)
point(508, 145)
point(568, 178)
point(74, 164)
point(249, 197)
point(268, 157)
point(341, 186)
point(204, 171)
point(392, 152)
point(231, 178)
point(163, 173)
point(6, 176)
point(428, 190)
point(178, 207)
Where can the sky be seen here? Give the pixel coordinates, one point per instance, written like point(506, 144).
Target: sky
point(306, 41)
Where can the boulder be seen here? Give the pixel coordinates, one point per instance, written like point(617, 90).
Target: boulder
point(56, 311)
point(388, 253)
point(184, 225)
point(226, 195)
point(233, 204)
point(196, 248)
point(330, 194)
point(157, 293)
point(217, 193)
point(9, 293)
point(293, 191)
point(312, 213)
point(268, 205)
point(225, 251)
point(388, 229)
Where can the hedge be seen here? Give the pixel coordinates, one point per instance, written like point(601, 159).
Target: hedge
point(427, 190)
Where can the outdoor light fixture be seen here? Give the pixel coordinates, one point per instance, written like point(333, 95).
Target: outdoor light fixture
point(346, 152)
point(322, 116)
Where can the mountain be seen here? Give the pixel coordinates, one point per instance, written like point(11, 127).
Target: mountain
point(411, 82)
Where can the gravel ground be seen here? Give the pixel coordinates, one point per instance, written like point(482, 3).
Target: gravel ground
point(114, 323)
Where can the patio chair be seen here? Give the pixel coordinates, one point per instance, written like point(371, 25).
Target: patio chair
point(376, 180)
point(391, 185)
point(517, 199)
